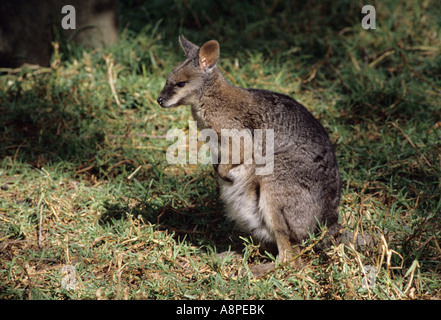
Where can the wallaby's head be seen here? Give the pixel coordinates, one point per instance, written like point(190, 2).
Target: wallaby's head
point(185, 85)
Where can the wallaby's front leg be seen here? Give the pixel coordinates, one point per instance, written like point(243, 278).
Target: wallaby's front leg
point(225, 165)
point(223, 170)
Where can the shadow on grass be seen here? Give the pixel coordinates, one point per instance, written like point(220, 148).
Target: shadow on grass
point(199, 226)
point(37, 129)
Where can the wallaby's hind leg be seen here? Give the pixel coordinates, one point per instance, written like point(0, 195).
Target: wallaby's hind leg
point(282, 234)
point(287, 252)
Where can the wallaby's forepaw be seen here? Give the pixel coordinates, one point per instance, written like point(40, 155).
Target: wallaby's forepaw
point(223, 172)
point(226, 178)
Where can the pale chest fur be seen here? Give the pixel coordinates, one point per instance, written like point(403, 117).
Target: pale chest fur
point(245, 205)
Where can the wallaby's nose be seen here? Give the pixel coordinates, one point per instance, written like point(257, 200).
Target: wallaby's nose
point(160, 101)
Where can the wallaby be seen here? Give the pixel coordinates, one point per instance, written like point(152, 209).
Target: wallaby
point(303, 190)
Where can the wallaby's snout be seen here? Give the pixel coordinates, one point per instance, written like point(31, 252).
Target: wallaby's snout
point(160, 100)
point(166, 95)
point(174, 93)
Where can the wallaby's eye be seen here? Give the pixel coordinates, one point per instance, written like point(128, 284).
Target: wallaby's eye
point(181, 84)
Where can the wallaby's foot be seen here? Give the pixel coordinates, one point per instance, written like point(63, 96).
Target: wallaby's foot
point(225, 254)
point(287, 252)
point(288, 256)
point(256, 270)
point(223, 170)
point(261, 269)
point(292, 259)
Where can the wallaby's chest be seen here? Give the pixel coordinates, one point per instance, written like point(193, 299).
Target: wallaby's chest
point(244, 206)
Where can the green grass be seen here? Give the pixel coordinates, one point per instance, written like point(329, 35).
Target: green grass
point(84, 180)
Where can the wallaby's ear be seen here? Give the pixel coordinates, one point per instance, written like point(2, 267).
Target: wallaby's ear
point(189, 48)
point(208, 55)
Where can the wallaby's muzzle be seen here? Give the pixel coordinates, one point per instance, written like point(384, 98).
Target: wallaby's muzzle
point(160, 100)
